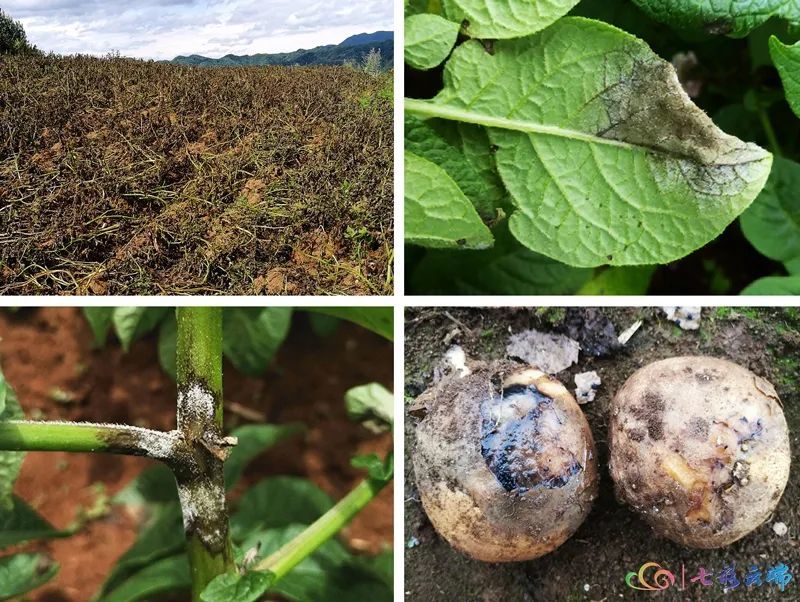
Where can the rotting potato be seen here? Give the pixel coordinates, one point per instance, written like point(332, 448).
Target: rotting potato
point(505, 462)
point(700, 448)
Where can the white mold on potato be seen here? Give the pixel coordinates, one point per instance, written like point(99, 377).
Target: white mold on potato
point(504, 461)
point(700, 448)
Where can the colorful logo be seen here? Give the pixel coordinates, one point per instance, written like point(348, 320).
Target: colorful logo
point(654, 577)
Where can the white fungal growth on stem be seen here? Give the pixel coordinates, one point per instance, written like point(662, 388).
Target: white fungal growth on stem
point(195, 405)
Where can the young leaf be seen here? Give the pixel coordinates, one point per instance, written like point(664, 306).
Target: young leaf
point(20, 573)
point(10, 461)
point(506, 269)
point(735, 18)
point(772, 222)
point(377, 469)
point(99, 319)
point(774, 285)
point(22, 523)
point(254, 439)
point(241, 588)
point(605, 156)
point(131, 323)
point(505, 18)
point(372, 404)
point(633, 280)
point(277, 502)
point(787, 62)
point(437, 214)
point(168, 345)
point(428, 40)
point(379, 320)
point(252, 335)
point(169, 575)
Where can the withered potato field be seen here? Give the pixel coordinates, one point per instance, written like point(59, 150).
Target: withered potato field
point(128, 177)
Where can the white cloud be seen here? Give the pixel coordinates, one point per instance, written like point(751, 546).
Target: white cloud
point(162, 29)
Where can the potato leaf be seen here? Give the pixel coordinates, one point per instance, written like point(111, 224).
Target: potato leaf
point(379, 320)
point(22, 523)
point(241, 588)
point(253, 440)
point(735, 18)
point(605, 156)
point(787, 62)
point(428, 40)
point(437, 213)
point(99, 319)
point(372, 404)
point(20, 573)
point(772, 222)
point(629, 280)
point(497, 19)
point(252, 336)
point(774, 285)
point(168, 575)
point(131, 323)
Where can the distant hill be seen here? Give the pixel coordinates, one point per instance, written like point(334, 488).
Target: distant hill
point(353, 49)
point(368, 38)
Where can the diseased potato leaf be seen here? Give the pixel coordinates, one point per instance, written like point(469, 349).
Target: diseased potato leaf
point(605, 156)
point(735, 18)
point(787, 62)
point(496, 19)
point(437, 213)
point(428, 40)
point(772, 222)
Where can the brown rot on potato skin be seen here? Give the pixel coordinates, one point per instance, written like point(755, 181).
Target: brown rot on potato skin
point(505, 462)
point(699, 447)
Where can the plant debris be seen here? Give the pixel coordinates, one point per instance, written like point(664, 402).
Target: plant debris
point(551, 353)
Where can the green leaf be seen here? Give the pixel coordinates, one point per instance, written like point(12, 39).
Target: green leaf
point(99, 319)
point(10, 461)
point(505, 18)
point(169, 575)
point(506, 269)
point(372, 404)
point(330, 574)
point(428, 40)
point(22, 573)
point(239, 588)
point(254, 439)
point(324, 326)
point(379, 320)
point(464, 153)
point(277, 502)
point(377, 469)
point(168, 345)
point(606, 158)
point(774, 285)
point(252, 336)
point(735, 18)
point(787, 62)
point(22, 523)
point(633, 280)
point(437, 213)
point(793, 266)
point(161, 538)
point(132, 323)
point(772, 222)
point(153, 487)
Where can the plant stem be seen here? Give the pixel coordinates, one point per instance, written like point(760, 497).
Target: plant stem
point(325, 527)
point(201, 483)
point(28, 435)
point(769, 131)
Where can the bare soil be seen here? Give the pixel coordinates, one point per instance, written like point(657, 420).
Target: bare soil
point(613, 541)
point(47, 355)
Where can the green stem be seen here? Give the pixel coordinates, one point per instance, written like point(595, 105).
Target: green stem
point(26, 435)
point(325, 527)
point(201, 483)
point(769, 131)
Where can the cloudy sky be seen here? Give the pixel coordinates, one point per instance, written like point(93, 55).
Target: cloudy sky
point(163, 29)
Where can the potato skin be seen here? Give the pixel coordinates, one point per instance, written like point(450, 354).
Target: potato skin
point(699, 447)
point(463, 498)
